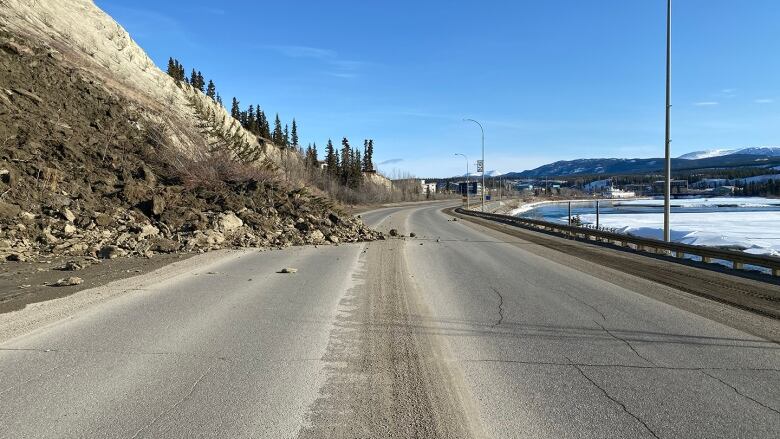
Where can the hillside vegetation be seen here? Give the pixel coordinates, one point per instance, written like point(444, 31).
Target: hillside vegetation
point(103, 154)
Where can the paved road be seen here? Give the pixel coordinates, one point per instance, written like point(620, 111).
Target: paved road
point(458, 332)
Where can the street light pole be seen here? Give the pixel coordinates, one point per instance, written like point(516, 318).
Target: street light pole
point(668, 157)
point(468, 205)
point(483, 159)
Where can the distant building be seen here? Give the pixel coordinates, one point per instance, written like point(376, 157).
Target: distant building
point(524, 187)
point(428, 188)
point(617, 193)
point(474, 187)
point(707, 183)
point(643, 189)
point(597, 186)
point(724, 190)
point(676, 186)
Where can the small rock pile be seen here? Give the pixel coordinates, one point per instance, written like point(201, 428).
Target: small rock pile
point(129, 232)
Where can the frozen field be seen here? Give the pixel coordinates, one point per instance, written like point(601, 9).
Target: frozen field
point(751, 224)
point(753, 232)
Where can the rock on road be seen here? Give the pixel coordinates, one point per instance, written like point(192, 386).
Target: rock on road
point(460, 332)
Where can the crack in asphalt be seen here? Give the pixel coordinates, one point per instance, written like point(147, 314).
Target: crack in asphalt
point(740, 393)
point(586, 304)
point(625, 366)
point(500, 307)
point(630, 346)
point(571, 296)
point(616, 401)
point(176, 404)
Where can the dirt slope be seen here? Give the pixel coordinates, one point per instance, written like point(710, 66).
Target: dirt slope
point(103, 155)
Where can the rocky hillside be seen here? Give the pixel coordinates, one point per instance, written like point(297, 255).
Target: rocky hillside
point(95, 161)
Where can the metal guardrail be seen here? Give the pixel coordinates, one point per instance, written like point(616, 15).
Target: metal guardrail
point(738, 259)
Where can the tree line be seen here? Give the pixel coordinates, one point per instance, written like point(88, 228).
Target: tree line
point(346, 165)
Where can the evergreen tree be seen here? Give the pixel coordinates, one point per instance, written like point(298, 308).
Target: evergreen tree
point(235, 109)
point(278, 136)
point(331, 159)
point(179, 68)
point(219, 100)
point(286, 136)
point(311, 157)
point(251, 122)
point(172, 72)
point(356, 176)
point(194, 78)
point(262, 124)
point(368, 157)
point(345, 171)
point(315, 160)
point(307, 157)
point(294, 133)
point(201, 83)
point(211, 90)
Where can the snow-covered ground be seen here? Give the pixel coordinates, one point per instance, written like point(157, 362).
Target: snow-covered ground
point(753, 232)
point(746, 202)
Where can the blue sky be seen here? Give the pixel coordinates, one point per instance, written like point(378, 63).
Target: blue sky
point(550, 80)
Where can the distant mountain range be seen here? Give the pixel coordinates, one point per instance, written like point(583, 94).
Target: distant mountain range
point(769, 151)
point(764, 156)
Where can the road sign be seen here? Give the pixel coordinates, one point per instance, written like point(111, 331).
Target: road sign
point(480, 166)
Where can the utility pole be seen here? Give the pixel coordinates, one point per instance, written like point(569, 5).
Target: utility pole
point(668, 176)
point(483, 159)
point(468, 182)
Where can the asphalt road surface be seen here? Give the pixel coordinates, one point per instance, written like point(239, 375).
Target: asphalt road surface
point(458, 332)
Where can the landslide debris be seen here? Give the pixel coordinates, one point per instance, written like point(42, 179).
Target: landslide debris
point(83, 173)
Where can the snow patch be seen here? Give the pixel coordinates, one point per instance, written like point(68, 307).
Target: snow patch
point(753, 232)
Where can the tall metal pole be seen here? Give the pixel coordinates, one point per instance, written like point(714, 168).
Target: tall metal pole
point(468, 182)
point(483, 160)
point(668, 176)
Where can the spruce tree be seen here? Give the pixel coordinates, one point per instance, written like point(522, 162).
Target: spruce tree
point(264, 130)
point(235, 110)
point(278, 136)
point(368, 159)
point(251, 121)
point(194, 78)
point(179, 70)
point(201, 83)
point(315, 161)
point(356, 175)
point(294, 133)
point(219, 100)
point(286, 136)
point(172, 72)
point(331, 159)
point(211, 90)
point(346, 161)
